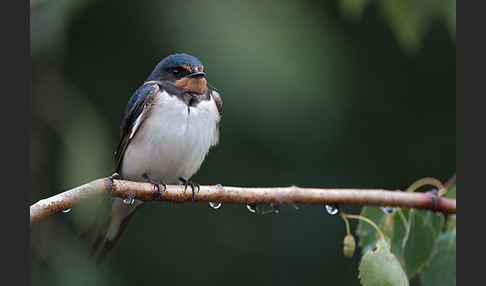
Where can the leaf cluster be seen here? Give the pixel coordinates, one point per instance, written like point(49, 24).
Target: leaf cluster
point(415, 243)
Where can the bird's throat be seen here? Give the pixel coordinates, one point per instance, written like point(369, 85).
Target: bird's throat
point(191, 85)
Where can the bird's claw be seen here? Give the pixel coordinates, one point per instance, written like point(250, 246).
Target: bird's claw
point(192, 185)
point(159, 193)
point(115, 176)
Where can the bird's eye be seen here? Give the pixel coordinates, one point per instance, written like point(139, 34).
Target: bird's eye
point(175, 71)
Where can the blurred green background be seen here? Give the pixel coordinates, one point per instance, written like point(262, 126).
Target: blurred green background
point(323, 94)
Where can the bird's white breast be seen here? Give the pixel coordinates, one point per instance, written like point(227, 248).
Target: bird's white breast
point(172, 141)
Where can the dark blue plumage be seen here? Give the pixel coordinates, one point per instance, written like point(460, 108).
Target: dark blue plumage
point(174, 61)
point(179, 59)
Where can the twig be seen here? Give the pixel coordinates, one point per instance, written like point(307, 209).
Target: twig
point(451, 181)
point(447, 185)
point(241, 195)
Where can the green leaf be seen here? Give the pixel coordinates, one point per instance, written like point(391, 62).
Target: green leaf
point(388, 226)
point(365, 232)
point(451, 192)
point(435, 219)
point(418, 243)
point(381, 267)
point(398, 235)
point(441, 269)
point(451, 222)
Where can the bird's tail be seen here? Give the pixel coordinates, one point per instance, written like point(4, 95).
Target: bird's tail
point(107, 229)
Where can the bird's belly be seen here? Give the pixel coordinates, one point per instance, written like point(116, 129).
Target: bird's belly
point(172, 142)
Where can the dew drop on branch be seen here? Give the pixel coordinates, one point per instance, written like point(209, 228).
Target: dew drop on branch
point(388, 210)
point(251, 208)
point(130, 200)
point(215, 205)
point(332, 209)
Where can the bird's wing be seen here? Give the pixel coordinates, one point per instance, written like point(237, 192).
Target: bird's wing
point(113, 217)
point(135, 113)
point(219, 104)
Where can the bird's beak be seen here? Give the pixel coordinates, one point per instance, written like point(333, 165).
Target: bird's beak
point(197, 74)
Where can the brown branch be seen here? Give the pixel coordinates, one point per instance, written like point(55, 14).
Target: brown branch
point(241, 195)
point(67, 199)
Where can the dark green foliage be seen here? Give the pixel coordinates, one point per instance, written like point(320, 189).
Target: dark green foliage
point(441, 270)
point(418, 243)
point(418, 240)
point(366, 233)
point(451, 192)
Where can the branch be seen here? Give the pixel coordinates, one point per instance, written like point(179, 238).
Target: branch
point(67, 199)
point(241, 195)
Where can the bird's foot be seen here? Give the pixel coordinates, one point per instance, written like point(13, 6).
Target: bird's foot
point(192, 185)
point(114, 176)
point(156, 185)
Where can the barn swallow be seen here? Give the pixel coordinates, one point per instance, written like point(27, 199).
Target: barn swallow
point(170, 123)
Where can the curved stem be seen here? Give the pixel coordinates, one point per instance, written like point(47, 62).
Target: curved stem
point(365, 219)
point(424, 182)
point(346, 222)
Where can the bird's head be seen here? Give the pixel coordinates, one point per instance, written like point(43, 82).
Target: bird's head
point(182, 70)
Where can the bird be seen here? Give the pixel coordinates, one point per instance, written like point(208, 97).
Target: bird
point(170, 123)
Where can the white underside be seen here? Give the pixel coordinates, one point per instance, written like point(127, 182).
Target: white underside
point(172, 142)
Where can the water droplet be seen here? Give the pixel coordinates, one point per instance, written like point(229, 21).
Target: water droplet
point(251, 208)
point(215, 205)
point(66, 210)
point(332, 209)
point(388, 210)
point(130, 200)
